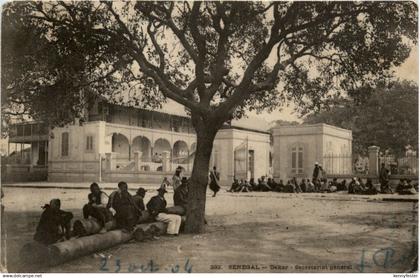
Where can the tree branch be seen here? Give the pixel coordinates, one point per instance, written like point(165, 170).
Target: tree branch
point(157, 47)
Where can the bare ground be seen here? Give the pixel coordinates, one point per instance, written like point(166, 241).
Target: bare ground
point(249, 232)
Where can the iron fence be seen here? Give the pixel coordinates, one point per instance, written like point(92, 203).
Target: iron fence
point(405, 165)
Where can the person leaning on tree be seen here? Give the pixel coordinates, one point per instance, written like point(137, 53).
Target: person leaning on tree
point(181, 198)
point(157, 209)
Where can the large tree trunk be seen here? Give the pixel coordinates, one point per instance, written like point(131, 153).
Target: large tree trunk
point(206, 133)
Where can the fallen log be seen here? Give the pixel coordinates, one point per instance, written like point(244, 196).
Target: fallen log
point(179, 210)
point(71, 249)
point(90, 226)
point(34, 253)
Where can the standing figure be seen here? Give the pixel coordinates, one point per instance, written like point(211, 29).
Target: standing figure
point(97, 207)
point(214, 181)
point(176, 178)
point(54, 224)
point(384, 179)
point(157, 209)
point(316, 173)
point(126, 211)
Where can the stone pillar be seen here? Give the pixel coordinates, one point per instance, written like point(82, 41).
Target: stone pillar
point(137, 160)
point(109, 161)
point(165, 161)
point(373, 160)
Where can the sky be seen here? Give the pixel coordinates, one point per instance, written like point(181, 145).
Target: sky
point(409, 70)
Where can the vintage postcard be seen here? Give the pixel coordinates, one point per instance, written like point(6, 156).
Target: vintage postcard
point(209, 137)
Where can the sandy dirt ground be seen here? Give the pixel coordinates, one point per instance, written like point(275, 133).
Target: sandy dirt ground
point(246, 232)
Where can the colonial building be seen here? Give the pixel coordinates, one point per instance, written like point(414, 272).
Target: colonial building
point(137, 145)
point(119, 143)
point(296, 148)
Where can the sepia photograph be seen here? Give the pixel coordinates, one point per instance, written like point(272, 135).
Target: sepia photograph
point(209, 137)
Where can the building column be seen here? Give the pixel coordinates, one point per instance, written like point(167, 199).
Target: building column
point(165, 161)
point(151, 153)
point(110, 161)
point(137, 160)
point(373, 160)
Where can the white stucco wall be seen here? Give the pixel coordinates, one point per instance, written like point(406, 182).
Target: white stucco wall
point(316, 141)
point(223, 152)
point(79, 160)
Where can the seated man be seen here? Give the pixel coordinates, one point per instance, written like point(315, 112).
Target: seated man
point(341, 186)
point(97, 207)
point(263, 186)
point(157, 209)
point(411, 188)
point(279, 187)
point(126, 211)
point(234, 186)
point(254, 186)
point(296, 185)
point(335, 183)
point(400, 186)
point(271, 183)
point(370, 189)
point(310, 187)
point(138, 199)
point(245, 186)
point(302, 185)
point(405, 188)
point(332, 186)
point(324, 186)
point(290, 187)
point(54, 224)
point(361, 185)
point(352, 186)
point(181, 198)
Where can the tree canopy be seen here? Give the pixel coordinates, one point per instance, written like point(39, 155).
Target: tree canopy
point(217, 59)
point(385, 116)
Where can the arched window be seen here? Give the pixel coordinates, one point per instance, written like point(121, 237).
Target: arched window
point(297, 160)
point(65, 144)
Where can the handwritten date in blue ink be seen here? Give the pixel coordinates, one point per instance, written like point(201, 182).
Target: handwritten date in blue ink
point(150, 267)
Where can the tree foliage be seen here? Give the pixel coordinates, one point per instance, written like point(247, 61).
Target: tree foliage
point(217, 59)
point(385, 116)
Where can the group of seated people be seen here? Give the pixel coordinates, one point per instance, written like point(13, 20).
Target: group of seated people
point(120, 206)
point(405, 187)
point(355, 186)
